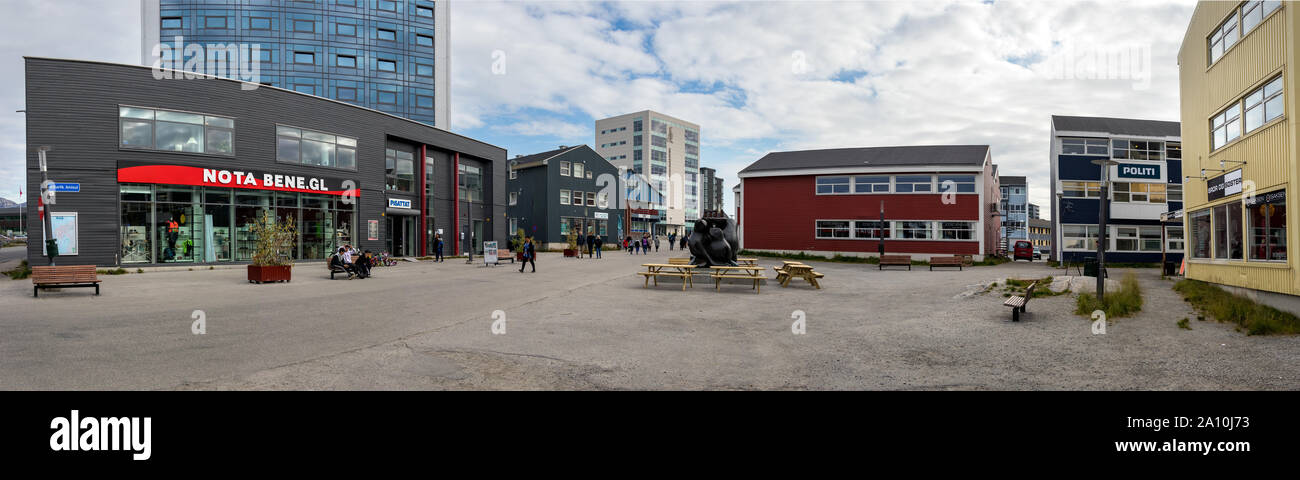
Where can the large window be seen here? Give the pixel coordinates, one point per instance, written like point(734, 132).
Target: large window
point(1083, 146)
point(167, 130)
point(308, 147)
point(1227, 231)
point(564, 197)
point(1174, 236)
point(1200, 222)
point(1263, 104)
point(833, 229)
point(963, 183)
point(577, 170)
point(1226, 126)
point(564, 169)
point(913, 230)
point(1253, 13)
point(870, 229)
point(1136, 150)
point(1137, 239)
point(1174, 150)
point(399, 170)
point(1079, 237)
point(1223, 38)
point(470, 183)
point(1081, 189)
point(1267, 217)
point(871, 184)
point(913, 183)
point(832, 185)
point(957, 230)
point(1174, 192)
point(1139, 192)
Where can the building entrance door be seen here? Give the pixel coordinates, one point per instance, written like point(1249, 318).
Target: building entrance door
point(401, 233)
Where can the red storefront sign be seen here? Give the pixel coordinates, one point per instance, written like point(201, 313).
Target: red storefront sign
point(247, 179)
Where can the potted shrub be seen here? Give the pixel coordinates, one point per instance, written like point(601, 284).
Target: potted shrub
point(571, 250)
point(272, 254)
point(519, 245)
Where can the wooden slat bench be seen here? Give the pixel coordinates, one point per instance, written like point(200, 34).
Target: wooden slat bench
point(1018, 303)
point(63, 276)
point(896, 261)
point(333, 269)
point(953, 261)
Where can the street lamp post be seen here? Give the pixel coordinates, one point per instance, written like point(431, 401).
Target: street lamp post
point(47, 196)
point(1102, 213)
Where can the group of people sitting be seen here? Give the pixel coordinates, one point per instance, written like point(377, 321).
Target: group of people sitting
point(355, 263)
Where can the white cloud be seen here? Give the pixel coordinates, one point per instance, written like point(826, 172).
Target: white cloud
point(926, 72)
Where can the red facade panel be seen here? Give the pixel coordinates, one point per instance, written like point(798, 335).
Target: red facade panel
point(781, 212)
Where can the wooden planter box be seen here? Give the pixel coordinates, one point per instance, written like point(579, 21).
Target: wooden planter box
point(569, 252)
point(519, 256)
point(273, 273)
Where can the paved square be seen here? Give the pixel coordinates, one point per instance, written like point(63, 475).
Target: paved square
point(590, 324)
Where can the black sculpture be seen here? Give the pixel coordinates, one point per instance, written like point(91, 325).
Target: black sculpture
point(713, 242)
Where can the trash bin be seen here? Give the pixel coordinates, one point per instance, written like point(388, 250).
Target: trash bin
point(1171, 268)
point(1090, 268)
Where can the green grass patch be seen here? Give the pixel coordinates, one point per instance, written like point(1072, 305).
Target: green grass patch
point(1253, 318)
point(990, 260)
point(23, 271)
point(1185, 324)
point(1122, 303)
point(116, 271)
point(1017, 286)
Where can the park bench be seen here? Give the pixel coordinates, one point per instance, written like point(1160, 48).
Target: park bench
point(967, 260)
point(333, 268)
point(504, 255)
point(953, 261)
point(64, 276)
point(1018, 303)
point(752, 272)
point(895, 260)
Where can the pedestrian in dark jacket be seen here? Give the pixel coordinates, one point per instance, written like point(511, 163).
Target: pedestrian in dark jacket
point(530, 255)
point(600, 245)
point(591, 245)
point(437, 247)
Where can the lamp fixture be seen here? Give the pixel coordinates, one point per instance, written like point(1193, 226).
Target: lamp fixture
point(1188, 178)
point(1203, 170)
point(1223, 163)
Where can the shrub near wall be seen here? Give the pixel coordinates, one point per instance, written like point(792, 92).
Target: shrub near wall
point(1251, 317)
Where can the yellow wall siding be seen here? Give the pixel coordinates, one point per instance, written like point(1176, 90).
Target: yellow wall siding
point(1271, 152)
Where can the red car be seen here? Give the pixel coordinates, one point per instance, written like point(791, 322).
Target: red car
point(1023, 249)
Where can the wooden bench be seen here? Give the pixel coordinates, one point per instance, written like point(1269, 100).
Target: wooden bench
point(503, 255)
point(968, 260)
point(333, 269)
point(1018, 303)
point(896, 261)
point(62, 276)
point(741, 272)
point(953, 261)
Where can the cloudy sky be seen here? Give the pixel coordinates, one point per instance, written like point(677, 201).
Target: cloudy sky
point(756, 76)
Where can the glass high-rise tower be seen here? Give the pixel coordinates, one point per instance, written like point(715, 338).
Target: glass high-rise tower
point(388, 55)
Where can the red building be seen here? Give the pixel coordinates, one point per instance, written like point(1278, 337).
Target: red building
point(937, 200)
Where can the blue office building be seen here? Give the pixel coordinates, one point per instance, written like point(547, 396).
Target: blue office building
point(387, 55)
point(1015, 209)
point(1145, 182)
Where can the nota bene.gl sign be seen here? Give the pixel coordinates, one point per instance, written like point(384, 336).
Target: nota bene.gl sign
point(1134, 170)
point(213, 177)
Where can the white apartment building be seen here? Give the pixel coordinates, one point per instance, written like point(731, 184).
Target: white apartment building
point(665, 150)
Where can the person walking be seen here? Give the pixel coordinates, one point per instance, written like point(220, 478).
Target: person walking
point(645, 244)
point(437, 247)
point(600, 245)
point(656, 244)
point(530, 255)
point(591, 245)
point(580, 242)
point(671, 237)
point(636, 246)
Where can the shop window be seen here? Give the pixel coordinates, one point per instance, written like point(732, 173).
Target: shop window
point(870, 229)
point(1267, 214)
point(1200, 222)
point(957, 230)
point(913, 230)
point(1227, 231)
point(832, 229)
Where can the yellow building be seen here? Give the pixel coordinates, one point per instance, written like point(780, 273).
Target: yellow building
point(1238, 75)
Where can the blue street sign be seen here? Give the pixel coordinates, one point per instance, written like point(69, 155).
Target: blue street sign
point(65, 187)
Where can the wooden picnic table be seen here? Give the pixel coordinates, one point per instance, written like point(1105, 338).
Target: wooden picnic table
point(751, 272)
point(656, 270)
point(799, 270)
point(747, 261)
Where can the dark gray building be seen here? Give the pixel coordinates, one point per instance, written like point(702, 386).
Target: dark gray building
point(174, 171)
point(569, 189)
point(709, 194)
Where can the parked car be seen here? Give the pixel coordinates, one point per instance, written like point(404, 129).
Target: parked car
point(1045, 252)
point(1023, 249)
